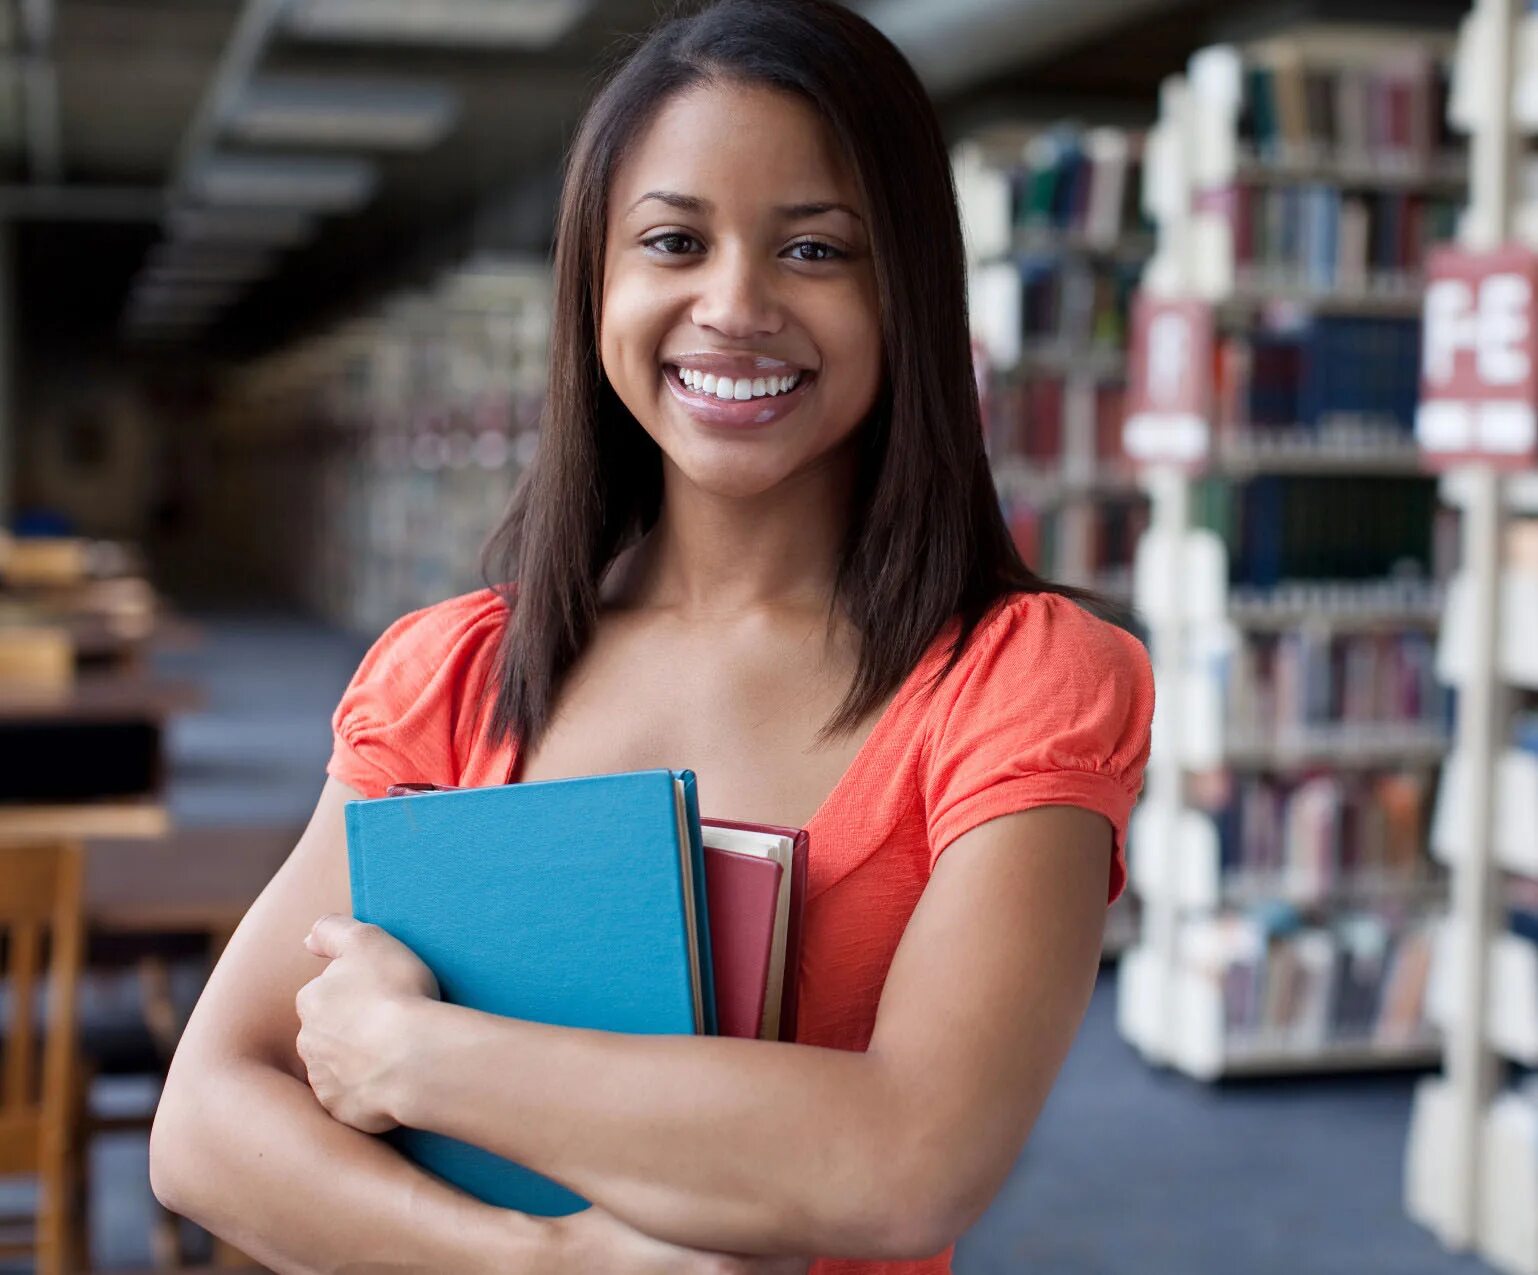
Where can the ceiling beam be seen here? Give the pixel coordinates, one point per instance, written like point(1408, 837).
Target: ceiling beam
point(40, 92)
point(957, 44)
point(253, 30)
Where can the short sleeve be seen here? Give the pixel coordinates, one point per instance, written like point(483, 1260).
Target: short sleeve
point(1050, 705)
point(417, 694)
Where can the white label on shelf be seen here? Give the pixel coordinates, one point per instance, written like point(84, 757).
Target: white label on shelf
point(1176, 436)
point(1508, 428)
point(1444, 426)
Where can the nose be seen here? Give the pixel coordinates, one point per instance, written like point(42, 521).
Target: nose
point(737, 295)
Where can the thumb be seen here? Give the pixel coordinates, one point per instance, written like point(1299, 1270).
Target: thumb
point(331, 935)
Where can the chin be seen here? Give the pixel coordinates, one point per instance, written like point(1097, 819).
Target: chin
point(732, 478)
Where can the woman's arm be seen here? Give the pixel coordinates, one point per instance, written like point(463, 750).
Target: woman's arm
point(241, 1145)
point(763, 1147)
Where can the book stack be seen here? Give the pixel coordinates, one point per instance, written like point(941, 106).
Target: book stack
point(1303, 180)
point(602, 902)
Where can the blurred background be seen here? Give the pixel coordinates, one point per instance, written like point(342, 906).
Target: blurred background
point(274, 292)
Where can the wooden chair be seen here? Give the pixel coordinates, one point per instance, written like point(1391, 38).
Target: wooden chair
point(41, 894)
point(36, 656)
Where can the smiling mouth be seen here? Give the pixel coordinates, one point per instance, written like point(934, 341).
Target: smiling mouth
point(743, 389)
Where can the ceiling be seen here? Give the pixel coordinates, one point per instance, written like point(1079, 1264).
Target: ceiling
point(129, 77)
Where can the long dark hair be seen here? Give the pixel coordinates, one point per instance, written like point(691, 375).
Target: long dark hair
point(926, 539)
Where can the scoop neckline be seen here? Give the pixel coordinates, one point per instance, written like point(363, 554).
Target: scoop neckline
point(889, 714)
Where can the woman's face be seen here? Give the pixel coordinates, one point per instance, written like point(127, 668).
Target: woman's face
point(712, 272)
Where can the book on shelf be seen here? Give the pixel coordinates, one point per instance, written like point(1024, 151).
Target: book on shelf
point(1382, 111)
point(1361, 978)
point(1070, 306)
point(1326, 239)
point(1081, 182)
point(1306, 839)
point(1306, 677)
point(1291, 527)
point(1326, 372)
point(602, 902)
point(1100, 535)
point(1028, 421)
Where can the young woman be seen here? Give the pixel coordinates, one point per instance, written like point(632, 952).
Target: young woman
point(760, 539)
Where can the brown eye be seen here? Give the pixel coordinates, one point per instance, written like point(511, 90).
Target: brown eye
point(835, 253)
point(673, 236)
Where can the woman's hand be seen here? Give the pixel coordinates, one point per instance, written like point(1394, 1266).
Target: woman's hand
point(598, 1242)
point(351, 1035)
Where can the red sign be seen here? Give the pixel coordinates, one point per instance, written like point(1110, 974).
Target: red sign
point(1479, 358)
point(1170, 383)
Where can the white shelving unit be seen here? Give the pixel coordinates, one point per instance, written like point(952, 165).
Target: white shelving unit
point(1068, 489)
point(1171, 1003)
point(398, 439)
point(1471, 1161)
point(985, 166)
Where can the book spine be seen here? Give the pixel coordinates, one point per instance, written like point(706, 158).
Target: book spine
point(701, 901)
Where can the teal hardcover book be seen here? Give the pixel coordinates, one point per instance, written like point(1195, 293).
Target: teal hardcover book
point(575, 902)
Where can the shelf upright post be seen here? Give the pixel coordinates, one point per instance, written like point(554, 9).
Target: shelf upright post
point(1167, 435)
point(1470, 1063)
point(1452, 432)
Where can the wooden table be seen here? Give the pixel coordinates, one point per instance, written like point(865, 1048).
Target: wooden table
point(101, 697)
point(191, 881)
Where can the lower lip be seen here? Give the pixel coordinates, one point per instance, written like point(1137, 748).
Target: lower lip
point(736, 413)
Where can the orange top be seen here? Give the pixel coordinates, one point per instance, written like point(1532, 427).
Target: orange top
point(1048, 706)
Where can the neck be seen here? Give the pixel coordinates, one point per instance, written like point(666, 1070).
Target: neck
point(713, 557)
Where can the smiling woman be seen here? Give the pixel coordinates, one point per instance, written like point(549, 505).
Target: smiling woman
point(741, 293)
point(760, 538)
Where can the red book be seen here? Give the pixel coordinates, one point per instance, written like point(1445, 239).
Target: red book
point(742, 891)
point(794, 902)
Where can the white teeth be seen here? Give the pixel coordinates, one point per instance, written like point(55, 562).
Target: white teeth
point(740, 389)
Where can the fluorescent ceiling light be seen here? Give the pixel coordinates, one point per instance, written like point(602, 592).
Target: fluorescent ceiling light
point(279, 227)
point(312, 182)
point(529, 23)
point(303, 110)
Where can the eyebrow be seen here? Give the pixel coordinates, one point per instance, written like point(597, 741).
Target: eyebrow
point(787, 212)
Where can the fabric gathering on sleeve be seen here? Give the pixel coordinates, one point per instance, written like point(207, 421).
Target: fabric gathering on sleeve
point(1050, 705)
point(404, 715)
